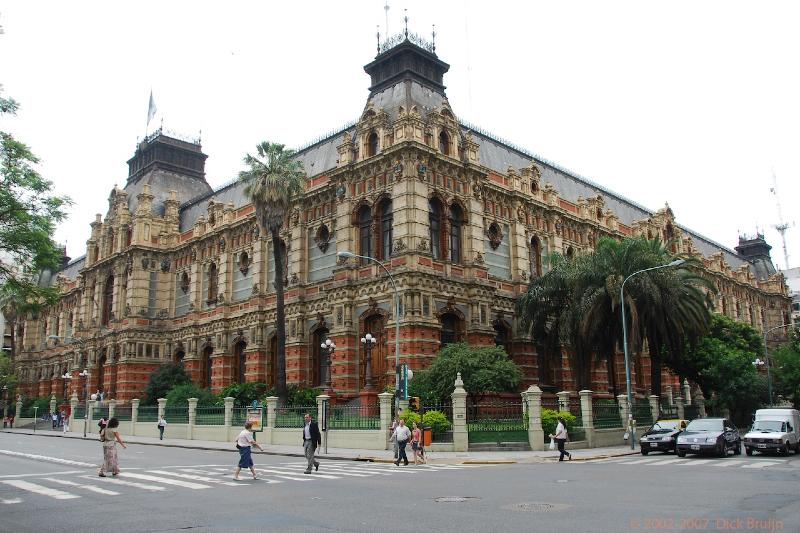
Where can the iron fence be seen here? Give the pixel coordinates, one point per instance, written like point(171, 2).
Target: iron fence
point(210, 416)
point(148, 413)
point(354, 417)
point(606, 414)
point(292, 417)
point(446, 409)
point(80, 412)
point(642, 414)
point(690, 412)
point(667, 410)
point(497, 422)
point(123, 413)
point(550, 402)
point(238, 416)
point(176, 415)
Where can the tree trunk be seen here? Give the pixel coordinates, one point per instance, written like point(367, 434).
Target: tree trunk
point(611, 366)
point(655, 366)
point(280, 318)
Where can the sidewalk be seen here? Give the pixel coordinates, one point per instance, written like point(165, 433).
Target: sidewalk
point(350, 454)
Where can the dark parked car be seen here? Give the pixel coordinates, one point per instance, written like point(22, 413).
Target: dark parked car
point(662, 436)
point(709, 435)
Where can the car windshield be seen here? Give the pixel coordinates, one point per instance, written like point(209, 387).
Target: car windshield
point(705, 425)
point(663, 426)
point(769, 425)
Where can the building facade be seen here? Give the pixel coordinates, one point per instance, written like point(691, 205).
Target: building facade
point(176, 271)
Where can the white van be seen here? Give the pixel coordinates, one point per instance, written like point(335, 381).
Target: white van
point(775, 430)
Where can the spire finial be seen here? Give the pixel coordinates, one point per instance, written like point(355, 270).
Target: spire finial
point(433, 38)
point(406, 21)
point(378, 36)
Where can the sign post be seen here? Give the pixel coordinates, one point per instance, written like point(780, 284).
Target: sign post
point(255, 415)
point(324, 424)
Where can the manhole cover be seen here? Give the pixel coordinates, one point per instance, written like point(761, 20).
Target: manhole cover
point(454, 499)
point(537, 507)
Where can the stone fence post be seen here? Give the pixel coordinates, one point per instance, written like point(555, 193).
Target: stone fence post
point(587, 416)
point(272, 411)
point(321, 399)
point(228, 414)
point(622, 403)
point(700, 400)
point(192, 418)
point(460, 435)
point(687, 392)
point(52, 403)
point(112, 408)
point(134, 415)
point(73, 406)
point(655, 407)
point(670, 400)
point(679, 404)
point(385, 400)
point(18, 413)
point(162, 403)
point(563, 401)
point(532, 398)
point(90, 417)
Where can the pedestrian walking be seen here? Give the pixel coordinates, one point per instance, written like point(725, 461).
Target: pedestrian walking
point(11, 421)
point(244, 443)
point(162, 425)
point(311, 439)
point(109, 436)
point(392, 438)
point(54, 417)
point(402, 434)
point(561, 437)
point(65, 424)
point(416, 444)
point(102, 423)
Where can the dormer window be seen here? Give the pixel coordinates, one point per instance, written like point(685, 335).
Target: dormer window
point(444, 143)
point(372, 144)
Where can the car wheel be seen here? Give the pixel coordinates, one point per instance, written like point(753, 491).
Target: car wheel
point(722, 450)
point(645, 452)
point(748, 451)
point(737, 450)
point(785, 449)
point(680, 453)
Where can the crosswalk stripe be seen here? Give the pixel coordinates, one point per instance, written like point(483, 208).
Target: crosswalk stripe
point(90, 488)
point(693, 462)
point(62, 473)
point(642, 461)
point(39, 489)
point(115, 481)
point(281, 474)
point(669, 462)
point(194, 477)
point(290, 472)
point(205, 472)
point(46, 458)
point(761, 464)
point(724, 464)
point(176, 482)
point(10, 501)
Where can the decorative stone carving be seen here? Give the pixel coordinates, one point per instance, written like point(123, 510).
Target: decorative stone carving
point(322, 238)
point(295, 217)
point(399, 246)
point(165, 265)
point(145, 262)
point(255, 288)
point(163, 313)
point(422, 170)
point(222, 244)
point(294, 280)
point(339, 315)
point(398, 170)
point(341, 190)
point(193, 255)
point(127, 309)
point(185, 279)
point(423, 245)
point(244, 263)
point(478, 258)
point(495, 235)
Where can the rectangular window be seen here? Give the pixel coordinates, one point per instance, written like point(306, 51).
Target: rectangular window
point(152, 300)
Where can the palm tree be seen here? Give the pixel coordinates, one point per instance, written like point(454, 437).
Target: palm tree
point(273, 181)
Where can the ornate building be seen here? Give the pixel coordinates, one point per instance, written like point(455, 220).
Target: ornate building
point(176, 271)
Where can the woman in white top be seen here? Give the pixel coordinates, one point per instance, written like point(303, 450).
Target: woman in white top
point(243, 442)
point(561, 438)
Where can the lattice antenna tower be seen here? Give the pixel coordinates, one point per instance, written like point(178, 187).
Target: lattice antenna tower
point(781, 226)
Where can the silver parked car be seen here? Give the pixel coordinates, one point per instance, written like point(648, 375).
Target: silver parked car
point(709, 435)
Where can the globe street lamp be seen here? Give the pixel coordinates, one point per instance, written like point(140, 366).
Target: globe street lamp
point(85, 376)
point(368, 341)
point(674, 263)
point(66, 377)
point(396, 320)
point(765, 362)
point(328, 347)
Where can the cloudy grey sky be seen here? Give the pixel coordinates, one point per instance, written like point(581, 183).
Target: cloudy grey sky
point(690, 103)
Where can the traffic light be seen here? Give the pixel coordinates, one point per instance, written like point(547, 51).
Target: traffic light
point(413, 403)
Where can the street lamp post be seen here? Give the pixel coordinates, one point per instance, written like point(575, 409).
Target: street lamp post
point(66, 377)
point(85, 376)
point(631, 427)
point(766, 359)
point(328, 347)
point(396, 320)
point(368, 341)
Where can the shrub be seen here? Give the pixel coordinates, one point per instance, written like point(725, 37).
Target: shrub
point(409, 416)
point(244, 393)
point(436, 420)
point(550, 420)
point(162, 380)
point(300, 397)
point(178, 396)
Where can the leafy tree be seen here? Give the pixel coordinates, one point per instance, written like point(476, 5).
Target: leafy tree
point(785, 368)
point(29, 213)
point(483, 369)
point(245, 393)
point(179, 395)
point(273, 181)
point(550, 420)
point(8, 380)
point(162, 380)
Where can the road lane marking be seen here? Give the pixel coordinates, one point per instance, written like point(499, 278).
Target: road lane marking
point(134, 484)
point(90, 488)
point(39, 489)
point(44, 474)
point(154, 479)
point(10, 501)
point(193, 477)
point(46, 458)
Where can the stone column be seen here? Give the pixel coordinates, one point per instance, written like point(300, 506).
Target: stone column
point(112, 408)
point(52, 404)
point(460, 435)
point(18, 413)
point(162, 403)
point(322, 398)
point(134, 415)
point(679, 404)
point(385, 401)
point(622, 402)
point(73, 405)
point(228, 410)
point(655, 408)
point(563, 401)
point(587, 416)
point(91, 407)
point(192, 418)
point(670, 400)
point(687, 393)
point(272, 411)
point(700, 400)
point(533, 398)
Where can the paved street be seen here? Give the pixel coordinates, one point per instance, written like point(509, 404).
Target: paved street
point(52, 482)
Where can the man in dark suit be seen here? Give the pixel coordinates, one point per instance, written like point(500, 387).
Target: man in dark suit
point(311, 439)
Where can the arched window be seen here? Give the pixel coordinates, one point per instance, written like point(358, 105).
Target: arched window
point(387, 221)
point(240, 360)
point(364, 231)
point(502, 336)
point(108, 300)
point(456, 222)
point(570, 253)
point(179, 355)
point(128, 237)
point(316, 366)
point(374, 325)
point(96, 254)
point(110, 242)
point(101, 363)
point(372, 144)
point(444, 143)
point(212, 282)
point(451, 329)
point(536, 257)
point(435, 219)
point(206, 366)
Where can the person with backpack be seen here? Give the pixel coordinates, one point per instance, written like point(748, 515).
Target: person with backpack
point(109, 436)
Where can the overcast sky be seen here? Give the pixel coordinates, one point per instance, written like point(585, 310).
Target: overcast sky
point(690, 103)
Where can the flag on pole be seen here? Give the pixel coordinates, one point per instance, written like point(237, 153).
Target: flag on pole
point(151, 108)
